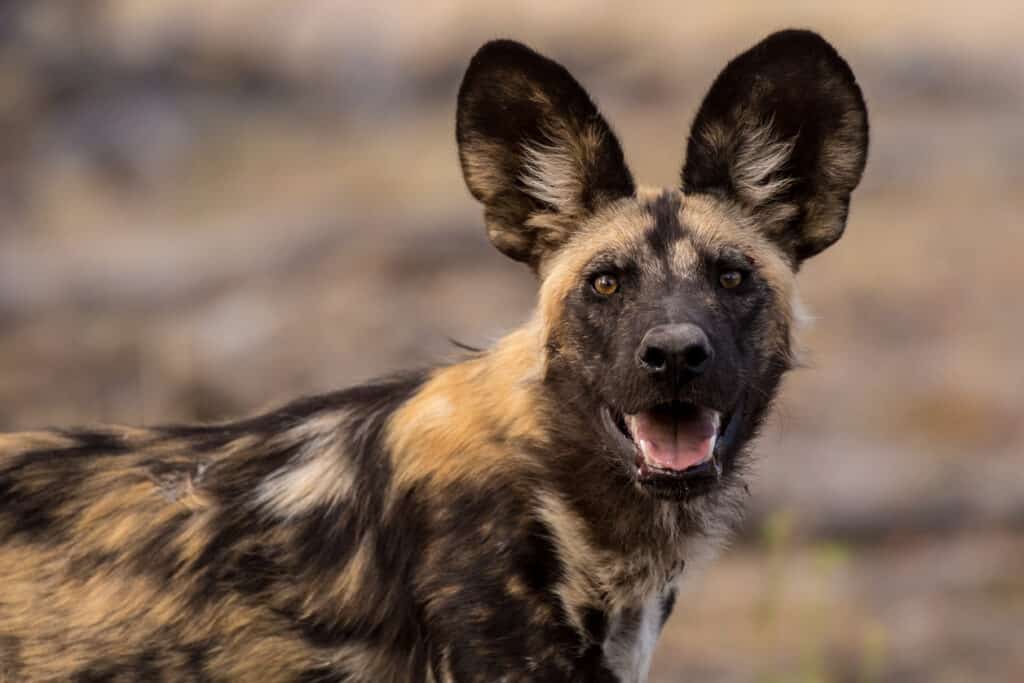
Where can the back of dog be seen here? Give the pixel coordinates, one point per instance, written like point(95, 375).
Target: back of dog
point(74, 515)
point(120, 561)
point(199, 553)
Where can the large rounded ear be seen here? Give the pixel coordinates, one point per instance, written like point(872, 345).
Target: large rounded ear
point(784, 133)
point(534, 150)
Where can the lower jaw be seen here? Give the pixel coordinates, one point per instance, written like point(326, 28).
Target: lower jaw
point(689, 483)
point(692, 482)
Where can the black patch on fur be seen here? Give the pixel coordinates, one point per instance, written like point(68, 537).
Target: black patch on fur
point(591, 666)
point(10, 658)
point(666, 229)
point(158, 552)
point(668, 603)
point(322, 674)
point(196, 656)
point(538, 560)
point(24, 514)
point(146, 666)
point(595, 624)
point(327, 633)
point(327, 537)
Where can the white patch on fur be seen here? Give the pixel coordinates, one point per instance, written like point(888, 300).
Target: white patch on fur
point(632, 636)
point(801, 319)
point(318, 475)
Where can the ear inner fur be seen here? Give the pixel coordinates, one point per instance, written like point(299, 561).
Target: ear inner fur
point(534, 150)
point(783, 133)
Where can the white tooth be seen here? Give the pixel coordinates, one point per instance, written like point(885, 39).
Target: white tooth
point(644, 445)
point(711, 449)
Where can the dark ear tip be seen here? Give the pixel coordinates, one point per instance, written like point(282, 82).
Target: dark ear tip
point(797, 36)
point(806, 44)
point(799, 41)
point(496, 53)
point(803, 43)
point(501, 46)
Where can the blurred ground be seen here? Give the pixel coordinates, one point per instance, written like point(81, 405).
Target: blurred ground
point(209, 206)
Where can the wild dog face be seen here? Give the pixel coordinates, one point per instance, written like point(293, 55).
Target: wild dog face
point(668, 315)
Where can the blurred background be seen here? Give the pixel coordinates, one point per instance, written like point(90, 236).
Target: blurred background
point(209, 206)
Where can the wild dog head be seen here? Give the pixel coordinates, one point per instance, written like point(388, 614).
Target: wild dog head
point(668, 315)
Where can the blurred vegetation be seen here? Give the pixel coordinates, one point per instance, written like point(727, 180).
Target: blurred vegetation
point(209, 206)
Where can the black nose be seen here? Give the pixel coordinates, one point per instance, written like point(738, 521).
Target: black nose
point(675, 349)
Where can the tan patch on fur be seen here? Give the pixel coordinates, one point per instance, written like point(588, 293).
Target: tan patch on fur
point(349, 584)
point(13, 445)
point(496, 396)
point(515, 587)
point(584, 565)
point(483, 176)
point(41, 598)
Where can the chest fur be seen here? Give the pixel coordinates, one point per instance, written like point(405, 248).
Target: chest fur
point(633, 633)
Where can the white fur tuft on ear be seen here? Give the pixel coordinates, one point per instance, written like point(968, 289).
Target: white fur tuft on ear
point(759, 161)
point(756, 159)
point(555, 171)
point(551, 175)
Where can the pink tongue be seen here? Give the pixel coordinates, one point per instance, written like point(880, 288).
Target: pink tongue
point(675, 442)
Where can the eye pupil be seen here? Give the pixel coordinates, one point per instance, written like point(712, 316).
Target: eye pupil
point(731, 279)
point(606, 285)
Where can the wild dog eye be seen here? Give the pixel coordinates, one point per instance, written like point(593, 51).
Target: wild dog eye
point(605, 284)
point(730, 279)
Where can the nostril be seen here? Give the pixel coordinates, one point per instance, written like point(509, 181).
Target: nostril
point(695, 356)
point(679, 349)
point(654, 358)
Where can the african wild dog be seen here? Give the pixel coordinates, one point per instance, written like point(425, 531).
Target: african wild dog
point(522, 515)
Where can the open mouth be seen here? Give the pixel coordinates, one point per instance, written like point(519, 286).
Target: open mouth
point(673, 444)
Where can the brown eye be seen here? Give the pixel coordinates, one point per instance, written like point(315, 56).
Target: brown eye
point(606, 285)
point(731, 279)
